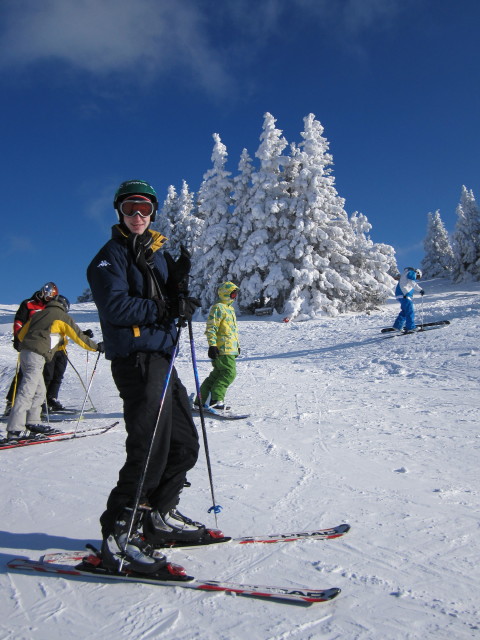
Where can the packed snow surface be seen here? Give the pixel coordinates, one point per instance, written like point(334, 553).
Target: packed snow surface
point(345, 426)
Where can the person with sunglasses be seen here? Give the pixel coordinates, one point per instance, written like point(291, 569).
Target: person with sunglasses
point(140, 291)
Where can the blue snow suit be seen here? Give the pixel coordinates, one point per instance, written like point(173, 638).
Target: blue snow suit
point(404, 294)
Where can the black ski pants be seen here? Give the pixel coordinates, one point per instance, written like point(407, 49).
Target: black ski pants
point(140, 379)
point(53, 373)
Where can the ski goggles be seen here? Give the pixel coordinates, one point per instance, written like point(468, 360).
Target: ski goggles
point(137, 205)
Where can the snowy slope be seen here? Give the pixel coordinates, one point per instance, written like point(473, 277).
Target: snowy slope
point(345, 426)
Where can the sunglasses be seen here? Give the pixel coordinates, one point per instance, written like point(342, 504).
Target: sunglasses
point(131, 207)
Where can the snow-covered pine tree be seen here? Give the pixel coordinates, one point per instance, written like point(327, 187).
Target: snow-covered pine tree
point(466, 238)
point(167, 214)
point(268, 196)
point(188, 226)
point(374, 265)
point(311, 254)
point(214, 249)
point(177, 220)
point(320, 262)
point(242, 184)
point(438, 260)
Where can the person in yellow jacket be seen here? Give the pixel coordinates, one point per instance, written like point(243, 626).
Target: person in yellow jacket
point(223, 347)
point(40, 338)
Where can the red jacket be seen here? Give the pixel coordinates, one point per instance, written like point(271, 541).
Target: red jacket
point(24, 312)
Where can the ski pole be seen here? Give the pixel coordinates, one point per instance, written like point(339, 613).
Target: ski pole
point(83, 384)
point(17, 370)
point(215, 508)
point(86, 394)
point(421, 310)
point(150, 448)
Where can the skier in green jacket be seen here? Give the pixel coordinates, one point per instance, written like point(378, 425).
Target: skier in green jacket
point(223, 348)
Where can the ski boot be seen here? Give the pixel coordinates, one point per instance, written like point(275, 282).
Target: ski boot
point(164, 529)
point(42, 429)
point(55, 405)
point(136, 553)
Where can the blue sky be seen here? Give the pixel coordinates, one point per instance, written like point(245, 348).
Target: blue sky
point(95, 92)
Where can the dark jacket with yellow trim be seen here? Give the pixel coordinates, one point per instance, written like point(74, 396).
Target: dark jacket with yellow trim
point(128, 315)
point(49, 330)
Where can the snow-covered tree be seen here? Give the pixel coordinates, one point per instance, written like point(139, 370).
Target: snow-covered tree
point(268, 196)
point(438, 260)
point(213, 253)
point(167, 214)
point(242, 185)
point(374, 265)
point(177, 220)
point(466, 238)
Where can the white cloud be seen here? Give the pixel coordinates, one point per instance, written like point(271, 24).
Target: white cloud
point(139, 38)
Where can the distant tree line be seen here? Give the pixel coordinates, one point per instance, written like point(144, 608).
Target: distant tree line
point(279, 230)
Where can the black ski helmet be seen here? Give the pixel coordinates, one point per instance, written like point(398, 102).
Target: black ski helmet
point(135, 187)
point(64, 301)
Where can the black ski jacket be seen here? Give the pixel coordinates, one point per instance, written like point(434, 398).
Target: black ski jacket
point(127, 311)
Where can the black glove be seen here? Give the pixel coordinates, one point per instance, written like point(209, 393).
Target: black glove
point(184, 308)
point(178, 271)
point(88, 333)
point(422, 292)
point(213, 353)
point(162, 310)
point(184, 264)
point(100, 347)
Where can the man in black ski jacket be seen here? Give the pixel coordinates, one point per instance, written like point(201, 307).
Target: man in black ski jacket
point(139, 292)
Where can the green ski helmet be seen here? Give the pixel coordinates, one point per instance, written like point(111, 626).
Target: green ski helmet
point(135, 187)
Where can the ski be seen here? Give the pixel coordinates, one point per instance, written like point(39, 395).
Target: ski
point(56, 437)
point(65, 418)
point(68, 411)
point(221, 414)
point(217, 537)
point(439, 323)
point(55, 418)
point(81, 564)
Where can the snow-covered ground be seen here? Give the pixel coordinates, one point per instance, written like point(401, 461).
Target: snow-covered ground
point(345, 426)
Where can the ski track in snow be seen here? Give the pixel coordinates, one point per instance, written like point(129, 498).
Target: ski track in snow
point(345, 426)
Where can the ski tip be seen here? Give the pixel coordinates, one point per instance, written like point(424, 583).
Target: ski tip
point(344, 528)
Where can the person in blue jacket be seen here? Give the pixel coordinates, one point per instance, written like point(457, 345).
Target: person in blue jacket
point(404, 294)
point(140, 291)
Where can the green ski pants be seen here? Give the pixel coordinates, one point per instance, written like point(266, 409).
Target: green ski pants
point(221, 377)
